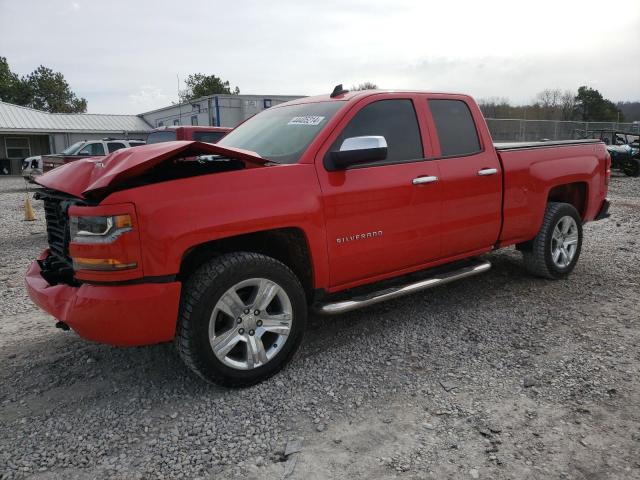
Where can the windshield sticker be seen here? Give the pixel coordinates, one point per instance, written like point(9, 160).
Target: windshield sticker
point(306, 120)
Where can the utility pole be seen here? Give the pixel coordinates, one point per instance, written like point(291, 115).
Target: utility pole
point(179, 102)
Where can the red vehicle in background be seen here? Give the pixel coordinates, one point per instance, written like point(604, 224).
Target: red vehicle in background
point(329, 203)
point(87, 148)
point(197, 133)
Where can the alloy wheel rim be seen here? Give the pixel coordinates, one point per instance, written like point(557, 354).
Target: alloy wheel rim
point(250, 323)
point(564, 241)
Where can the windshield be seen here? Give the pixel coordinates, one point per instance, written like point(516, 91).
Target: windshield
point(163, 136)
point(72, 149)
point(282, 134)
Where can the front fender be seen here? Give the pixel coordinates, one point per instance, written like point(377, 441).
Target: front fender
point(177, 215)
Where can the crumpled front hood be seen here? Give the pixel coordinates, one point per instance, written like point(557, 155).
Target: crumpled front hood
point(93, 174)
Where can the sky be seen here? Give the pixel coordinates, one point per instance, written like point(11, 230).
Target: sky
point(125, 56)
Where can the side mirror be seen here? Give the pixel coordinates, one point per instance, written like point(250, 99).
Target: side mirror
point(356, 150)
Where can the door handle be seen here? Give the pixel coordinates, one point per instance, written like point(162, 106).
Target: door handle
point(487, 171)
point(421, 180)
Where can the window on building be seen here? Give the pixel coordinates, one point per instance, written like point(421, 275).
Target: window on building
point(18, 147)
point(267, 103)
point(160, 124)
point(194, 120)
point(92, 150)
point(113, 146)
point(209, 137)
point(176, 121)
point(395, 120)
point(456, 128)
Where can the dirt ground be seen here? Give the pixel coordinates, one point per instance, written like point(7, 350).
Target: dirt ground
point(500, 376)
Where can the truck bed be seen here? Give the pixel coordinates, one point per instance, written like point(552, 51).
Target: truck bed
point(551, 143)
point(536, 172)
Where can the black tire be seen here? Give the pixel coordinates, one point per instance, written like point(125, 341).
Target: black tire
point(632, 168)
point(538, 254)
point(200, 294)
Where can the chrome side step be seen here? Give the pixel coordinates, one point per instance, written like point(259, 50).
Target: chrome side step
point(364, 301)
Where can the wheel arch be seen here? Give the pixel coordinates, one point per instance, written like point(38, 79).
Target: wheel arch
point(288, 245)
point(575, 193)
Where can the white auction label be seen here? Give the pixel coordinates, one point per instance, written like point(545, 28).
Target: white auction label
point(306, 120)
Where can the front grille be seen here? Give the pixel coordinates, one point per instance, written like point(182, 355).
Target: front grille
point(58, 266)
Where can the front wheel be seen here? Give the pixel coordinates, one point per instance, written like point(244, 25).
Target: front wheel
point(242, 318)
point(554, 252)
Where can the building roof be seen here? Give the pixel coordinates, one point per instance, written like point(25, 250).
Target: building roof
point(14, 118)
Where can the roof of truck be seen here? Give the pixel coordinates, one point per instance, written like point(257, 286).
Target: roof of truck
point(351, 95)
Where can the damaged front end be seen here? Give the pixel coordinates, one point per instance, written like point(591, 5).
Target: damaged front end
point(94, 178)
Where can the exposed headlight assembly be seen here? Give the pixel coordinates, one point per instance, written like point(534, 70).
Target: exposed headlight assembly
point(99, 229)
point(103, 242)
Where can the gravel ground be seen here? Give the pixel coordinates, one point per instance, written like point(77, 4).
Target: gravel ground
point(499, 376)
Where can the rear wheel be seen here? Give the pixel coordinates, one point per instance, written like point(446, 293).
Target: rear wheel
point(632, 168)
point(242, 318)
point(554, 252)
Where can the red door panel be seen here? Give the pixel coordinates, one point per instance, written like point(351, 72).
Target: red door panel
point(378, 221)
point(471, 203)
point(470, 171)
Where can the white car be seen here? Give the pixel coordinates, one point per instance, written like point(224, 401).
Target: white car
point(32, 167)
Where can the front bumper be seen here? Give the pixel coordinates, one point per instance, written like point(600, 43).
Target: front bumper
point(134, 314)
point(604, 210)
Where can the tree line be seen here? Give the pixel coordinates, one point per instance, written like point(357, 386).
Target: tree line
point(586, 105)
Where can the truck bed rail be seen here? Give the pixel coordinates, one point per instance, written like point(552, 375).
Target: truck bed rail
point(544, 144)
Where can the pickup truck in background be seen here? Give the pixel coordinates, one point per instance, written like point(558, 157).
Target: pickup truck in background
point(82, 149)
point(192, 132)
point(328, 203)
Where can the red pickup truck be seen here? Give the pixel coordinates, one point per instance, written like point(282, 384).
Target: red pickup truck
point(188, 132)
point(328, 203)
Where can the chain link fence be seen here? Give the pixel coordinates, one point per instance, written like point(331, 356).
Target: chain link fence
point(520, 130)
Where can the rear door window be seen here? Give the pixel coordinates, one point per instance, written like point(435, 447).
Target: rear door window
point(210, 137)
point(113, 146)
point(455, 126)
point(159, 137)
point(92, 149)
point(395, 120)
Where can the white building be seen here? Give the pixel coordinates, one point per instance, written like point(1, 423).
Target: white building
point(25, 132)
point(214, 110)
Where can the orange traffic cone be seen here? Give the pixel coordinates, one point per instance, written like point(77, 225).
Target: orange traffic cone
point(29, 215)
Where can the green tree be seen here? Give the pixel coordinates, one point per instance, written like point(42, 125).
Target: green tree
point(631, 110)
point(593, 107)
point(12, 90)
point(42, 89)
point(201, 85)
point(51, 92)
